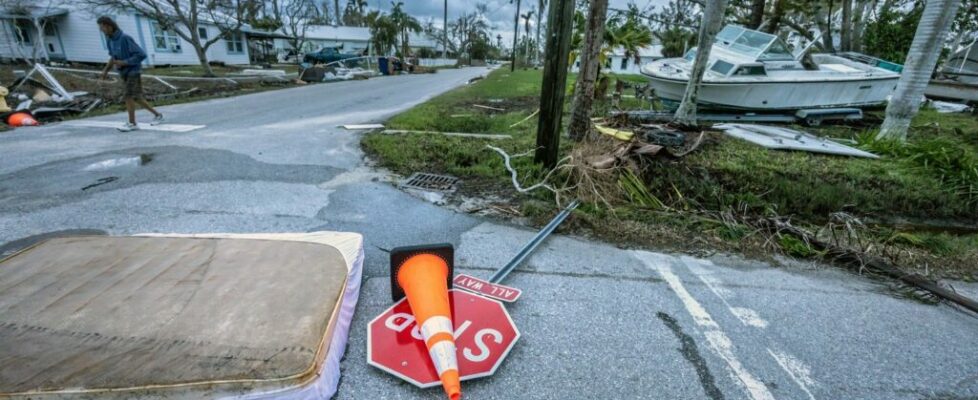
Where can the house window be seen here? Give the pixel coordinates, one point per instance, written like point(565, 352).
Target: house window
point(624, 63)
point(165, 39)
point(22, 31)
point(202, 32)
point(235, 43)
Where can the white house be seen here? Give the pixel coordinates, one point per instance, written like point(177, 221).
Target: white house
point(419, 41)
point(352, 39)
point(618, 63)
point(71, 34)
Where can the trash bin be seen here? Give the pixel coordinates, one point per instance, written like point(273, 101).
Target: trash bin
point(384, 65)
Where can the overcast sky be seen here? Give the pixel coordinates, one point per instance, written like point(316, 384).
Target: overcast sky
point(501, 12)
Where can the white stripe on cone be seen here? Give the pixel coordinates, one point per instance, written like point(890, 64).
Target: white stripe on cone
point(443, 355)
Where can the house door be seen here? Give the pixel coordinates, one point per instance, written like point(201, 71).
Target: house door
point(52, 41)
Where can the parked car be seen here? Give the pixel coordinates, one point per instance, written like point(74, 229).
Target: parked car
point(327, 55)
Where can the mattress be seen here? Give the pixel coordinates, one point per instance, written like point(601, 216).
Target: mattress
point(178, 316)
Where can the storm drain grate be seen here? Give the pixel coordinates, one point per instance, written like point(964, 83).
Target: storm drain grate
point(426, 181)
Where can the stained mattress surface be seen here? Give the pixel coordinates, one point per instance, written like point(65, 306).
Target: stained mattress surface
point(168, 316)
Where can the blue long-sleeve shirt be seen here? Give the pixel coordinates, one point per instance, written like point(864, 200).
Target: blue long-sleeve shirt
point(123, 47)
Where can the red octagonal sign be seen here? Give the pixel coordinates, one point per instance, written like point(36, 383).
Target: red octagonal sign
point(484, 334)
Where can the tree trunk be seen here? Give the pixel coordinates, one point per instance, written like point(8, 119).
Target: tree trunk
point(756, 14)
point(202, 58)
point(444, 30)
point(777, 14)
point(928, 41)
point(540, 8)
point(858, 25)
point(516, 35)
point(845, 30)
point(825, 25)
point(339, 14)
point(580, 123)
point(709, 26)
point(560, 26)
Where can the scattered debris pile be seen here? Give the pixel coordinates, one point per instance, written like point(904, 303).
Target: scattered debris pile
point(45, 94)
point(38, 95)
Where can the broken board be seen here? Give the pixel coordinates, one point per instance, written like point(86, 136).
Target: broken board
point(773, 137)
point(178, 317)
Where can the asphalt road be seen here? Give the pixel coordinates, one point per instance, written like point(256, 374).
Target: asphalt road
point(596, 321)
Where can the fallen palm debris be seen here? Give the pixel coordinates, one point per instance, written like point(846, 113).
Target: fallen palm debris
point(864, 261)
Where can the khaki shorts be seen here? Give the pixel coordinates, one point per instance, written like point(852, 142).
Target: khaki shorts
point(133, 86)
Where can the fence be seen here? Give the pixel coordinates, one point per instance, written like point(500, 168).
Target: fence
point(436, 62)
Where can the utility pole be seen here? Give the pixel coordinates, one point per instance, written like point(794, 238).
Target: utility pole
point(516, 34)
point(444, 27)
point(560, 25)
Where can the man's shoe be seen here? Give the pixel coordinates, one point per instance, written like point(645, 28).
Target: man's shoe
point(128, 127)
point(157, 120)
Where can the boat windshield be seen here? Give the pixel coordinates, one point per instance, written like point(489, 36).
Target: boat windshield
point(754, 44)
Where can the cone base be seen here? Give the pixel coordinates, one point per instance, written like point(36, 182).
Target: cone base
point(450, 381)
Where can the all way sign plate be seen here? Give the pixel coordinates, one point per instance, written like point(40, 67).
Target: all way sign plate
point(491, 290)
point(484, 335)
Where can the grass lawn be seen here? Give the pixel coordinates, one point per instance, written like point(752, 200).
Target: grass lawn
point(920, 201)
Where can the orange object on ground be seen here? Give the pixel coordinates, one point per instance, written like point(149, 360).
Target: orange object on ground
point(21, 119)
point(424, 279)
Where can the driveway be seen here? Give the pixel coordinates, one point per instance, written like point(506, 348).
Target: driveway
point(597, 321)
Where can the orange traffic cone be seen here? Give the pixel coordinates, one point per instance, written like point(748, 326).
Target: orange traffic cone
point(21, 119)
point(424, 278)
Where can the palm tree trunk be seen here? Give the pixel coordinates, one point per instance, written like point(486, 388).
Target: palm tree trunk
point(845, 30)
point(580, 123)
point(756, 14)
point(858, 25)
point(339, 15)
point(777, 13)
point(824, 20)
point(541, 5)
point(709, 26)
point(917, 69)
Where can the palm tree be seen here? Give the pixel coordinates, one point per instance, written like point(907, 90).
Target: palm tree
point(580, 123)
point(709, 26)
point(383, 32)
point(405, 24)
point(628, 34)
point(917, 69)
point(541, 6)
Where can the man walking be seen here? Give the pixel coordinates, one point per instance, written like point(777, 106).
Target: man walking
point(127, 58)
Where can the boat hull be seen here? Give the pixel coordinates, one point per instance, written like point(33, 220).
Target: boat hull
point(780, 96)
point(945, 89)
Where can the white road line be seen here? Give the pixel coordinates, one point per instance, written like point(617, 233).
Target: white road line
point(797, 370)
point(146, 127)
point(746, 316)
point(719, 342)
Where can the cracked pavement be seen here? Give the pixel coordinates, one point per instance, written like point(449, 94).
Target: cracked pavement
point(597, 321)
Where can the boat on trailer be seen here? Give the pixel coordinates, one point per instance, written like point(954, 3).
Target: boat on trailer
point(755, 71)
point(958, 79)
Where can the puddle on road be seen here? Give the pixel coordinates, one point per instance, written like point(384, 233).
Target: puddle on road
point(132, 161)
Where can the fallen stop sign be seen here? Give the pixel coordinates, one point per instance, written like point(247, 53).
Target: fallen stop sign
point(484, 335)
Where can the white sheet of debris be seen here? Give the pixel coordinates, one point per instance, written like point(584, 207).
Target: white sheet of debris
point(773, 137)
